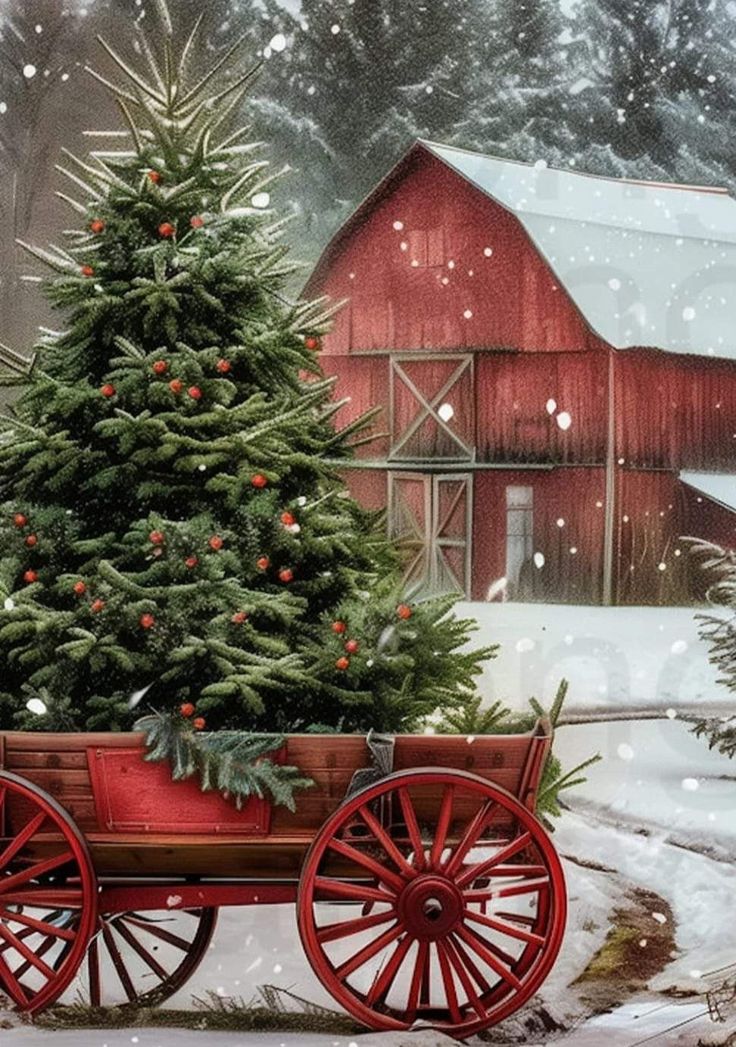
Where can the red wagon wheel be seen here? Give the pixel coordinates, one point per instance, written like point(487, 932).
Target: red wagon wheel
point(48, 895)
point(434, 898)
point(143, 958)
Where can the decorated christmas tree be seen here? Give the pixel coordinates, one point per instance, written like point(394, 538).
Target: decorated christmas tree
point(175, 531)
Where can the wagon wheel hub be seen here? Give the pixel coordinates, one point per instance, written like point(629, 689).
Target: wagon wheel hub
point(430, 907)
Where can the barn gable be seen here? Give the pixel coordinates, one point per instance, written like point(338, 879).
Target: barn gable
point(430, 263)
point(645, 264)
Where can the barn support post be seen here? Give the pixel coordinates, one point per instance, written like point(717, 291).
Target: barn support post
point(610, 499)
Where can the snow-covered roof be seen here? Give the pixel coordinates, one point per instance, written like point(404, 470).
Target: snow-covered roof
point(647, 263)
point(720, 487)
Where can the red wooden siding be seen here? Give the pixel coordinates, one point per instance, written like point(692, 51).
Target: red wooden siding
point(651, 562)
point(365, 381)
point(675, 411)
point(430, 283)
point(513, 423)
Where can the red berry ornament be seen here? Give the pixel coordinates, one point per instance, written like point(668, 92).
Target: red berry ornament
point(97, 225)
point(239, 617)
point(108, 390)
point(96, 606)
point(216, 542)
point(196, 221)
point(342, 663)
point(79, 588)
point(313, 343)
point(224, 366)
point(31, 540)
point(160, 367)
point(166, 229)
point(339, 627)
point(30, 577)
point(176, 385)
point(20, 520)
point(147, 621)
point(155, 176)
point(191, 561)
point(403, 611)
point(195, 392)
point(186, 709)
point(157, 537)
point(286, 575)
point(352, 646)
point(198, 723)
point(288, 520)
point(259, 480)
point(263, 563)
point(87, 270)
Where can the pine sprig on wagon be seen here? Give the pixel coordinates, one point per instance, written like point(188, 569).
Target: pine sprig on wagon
point(234, 762)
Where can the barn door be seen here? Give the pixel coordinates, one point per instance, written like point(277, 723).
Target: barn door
point(430, 520)
point(432, 408)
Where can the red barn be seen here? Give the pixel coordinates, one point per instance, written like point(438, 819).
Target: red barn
point(556, 356)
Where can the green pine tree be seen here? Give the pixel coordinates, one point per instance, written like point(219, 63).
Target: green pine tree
point(174, 526)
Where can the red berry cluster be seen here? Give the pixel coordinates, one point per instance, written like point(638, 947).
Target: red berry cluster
point(350, 646)
point(20, 520)
point(187, 710)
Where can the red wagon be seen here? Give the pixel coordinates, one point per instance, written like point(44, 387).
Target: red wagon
point(433, 896)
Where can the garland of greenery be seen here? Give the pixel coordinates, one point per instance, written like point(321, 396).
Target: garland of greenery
point(234, 762)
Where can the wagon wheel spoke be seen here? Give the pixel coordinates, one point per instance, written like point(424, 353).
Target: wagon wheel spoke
point(159, 932)
point(443, 824)
point(24, 836)
point(33, 924)
point(385, 979)
point(449, 983)
point(34, 871)
point(465, 980)
point(118, 963)
point(379, 871)
point(93, 973)
point(505, 928)
point(475, 872)
point(360, 958)
point(412, 827)
point(470, 837)
point(488, 954)
point(140, 949)
point(419, 987)
point(19, 995)
point(356, 892)
point(386, 842)
point(333, 931)
point(470, 965)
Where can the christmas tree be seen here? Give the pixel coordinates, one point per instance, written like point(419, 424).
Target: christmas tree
point(175, 531)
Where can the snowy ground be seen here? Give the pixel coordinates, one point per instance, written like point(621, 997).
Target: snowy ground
point(633, 656)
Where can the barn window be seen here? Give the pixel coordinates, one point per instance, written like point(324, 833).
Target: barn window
point(425, 247)
point(519, 538)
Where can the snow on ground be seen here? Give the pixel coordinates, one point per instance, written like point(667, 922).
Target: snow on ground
point(633, 656)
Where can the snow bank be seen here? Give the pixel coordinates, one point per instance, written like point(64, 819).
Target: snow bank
point(612, 656)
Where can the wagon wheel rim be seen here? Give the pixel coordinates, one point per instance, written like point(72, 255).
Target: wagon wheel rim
point(48, 895)
point(419, 945)
point(125, 966)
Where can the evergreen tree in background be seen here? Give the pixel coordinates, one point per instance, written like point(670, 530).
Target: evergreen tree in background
point(173, 520)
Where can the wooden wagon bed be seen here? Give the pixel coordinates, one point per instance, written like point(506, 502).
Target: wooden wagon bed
point(430, 896)
point(137, 820)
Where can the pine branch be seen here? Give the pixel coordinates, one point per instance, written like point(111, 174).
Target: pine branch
point(233, 762)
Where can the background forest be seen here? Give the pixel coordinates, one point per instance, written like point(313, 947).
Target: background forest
point(616, 87)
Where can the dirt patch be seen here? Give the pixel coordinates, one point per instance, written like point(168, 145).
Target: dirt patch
point(639, 945)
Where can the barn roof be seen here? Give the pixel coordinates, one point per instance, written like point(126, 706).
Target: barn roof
point(648, 264)
point(719, 487)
